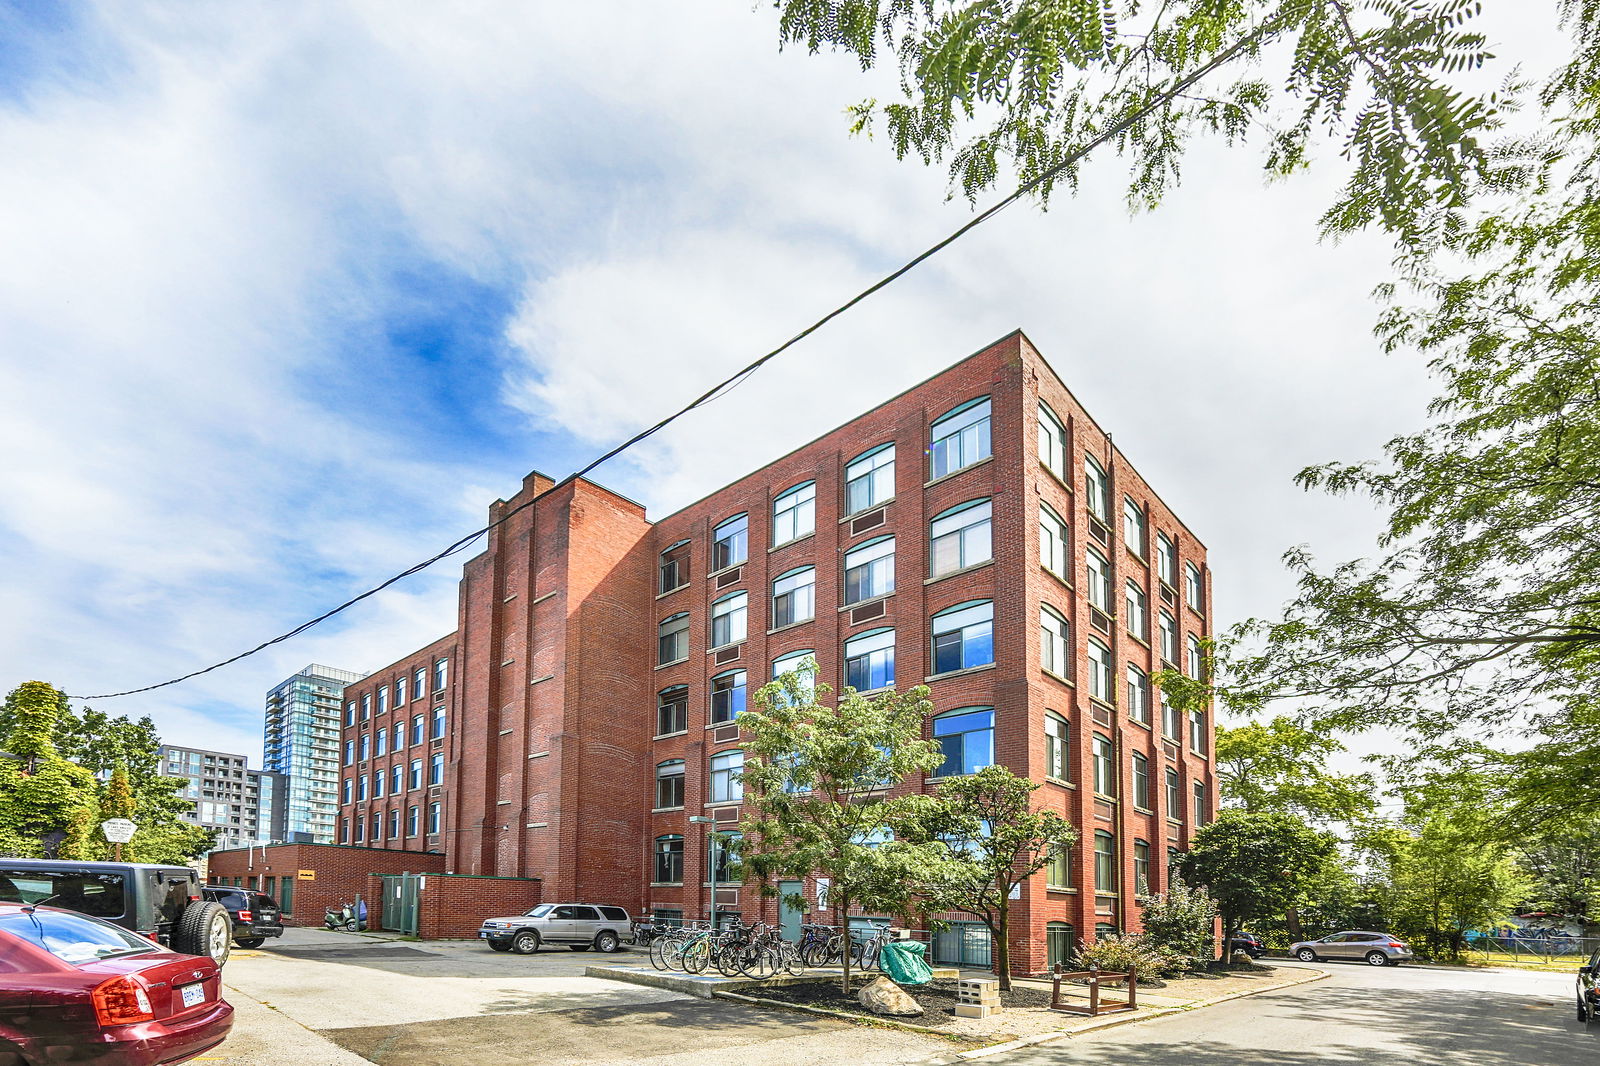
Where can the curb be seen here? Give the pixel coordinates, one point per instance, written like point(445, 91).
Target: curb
point(823, 1012)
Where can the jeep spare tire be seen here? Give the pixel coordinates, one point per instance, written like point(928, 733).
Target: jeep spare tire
point(204, 928)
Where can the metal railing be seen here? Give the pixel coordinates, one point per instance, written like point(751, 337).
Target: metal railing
point(1532, 947)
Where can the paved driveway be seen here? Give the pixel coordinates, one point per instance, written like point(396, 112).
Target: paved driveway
point(1399, 1016)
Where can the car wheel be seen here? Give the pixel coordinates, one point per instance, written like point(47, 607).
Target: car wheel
point(1377, 958)
point(250, 941)
point(1583, 1011)
point(500, 945)
point(525, 942)
point(607, 941)
point(204, 928)
point(579, 947)
point(1306, 955)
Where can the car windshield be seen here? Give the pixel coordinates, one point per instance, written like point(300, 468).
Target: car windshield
point(540, 911)
point(72, 937)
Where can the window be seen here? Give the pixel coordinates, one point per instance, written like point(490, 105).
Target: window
point(413, 821)
point(729, 619)
point(967, 739)
point(963, 637)
point(1141, 867)
point(416, 774)
point(377, 785)
point(381, 742)
point(1196, 658)
point(394, 825)
point(441, 674)
point(673, 640)
point(400, 690)
point(730, 542)
point(383, 699)
point(1141, 781)
point(669, 784)
point(1166, 559)
point(435, 810)
point(1138, 695)
point(436, 769)
point(960, 538)
point(1098, 572)
point(361, 788)
point(1199, 804)
point(960, 438)
point(724, 856)
point(792, 663)
point(1100, 684)
point(727, 696)
point(672, 710)
point(377, 825)
point(869, 479)
point(674, 570)
point(366, 706)
point(1105, 765)
point(349, 752)
point(1197, 731)
point(350, 713)
point(1055, 654)
point(1057, 753)
point(1105, 861)
point(1138, 611)
point(1060, 944)
point(1171, 719)
point(669, 860)
point(438, 723)
point(1174, 796)
point(1168, 627)
point(1052, 441)
point(344, 835)
point(361, 830)
point(364, 750)
point(725, 786)
point(1194, 587)
point(349, 790)
point(869, 570)
point(1097, 488)
point(794, 514)
point(794, 597)
point(869, 660)
point(1058, 871)
point(1172, 865)
point(1052, 541)
point(399, 733)
point(1133, 526)
point(397, 779)
point(416, 729)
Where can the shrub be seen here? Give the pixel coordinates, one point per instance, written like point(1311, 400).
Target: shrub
point(1181, 924)
point(1122, 952)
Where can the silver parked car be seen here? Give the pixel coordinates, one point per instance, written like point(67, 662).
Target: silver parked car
point(580, 926)
point(1376, 949)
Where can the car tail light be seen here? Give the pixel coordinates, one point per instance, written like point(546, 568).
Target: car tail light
point(1396, 944)
point(245, 916)
point(121, 1001)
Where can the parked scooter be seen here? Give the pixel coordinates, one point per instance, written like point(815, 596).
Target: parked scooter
point(347, 917)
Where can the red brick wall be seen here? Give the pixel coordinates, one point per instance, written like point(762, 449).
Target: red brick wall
point(340, 872)
point(452, 907)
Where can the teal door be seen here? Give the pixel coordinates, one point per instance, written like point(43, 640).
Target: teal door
point(789, 916)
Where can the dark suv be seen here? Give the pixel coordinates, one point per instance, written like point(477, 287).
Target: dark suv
point(255, 915)
point(163, 903)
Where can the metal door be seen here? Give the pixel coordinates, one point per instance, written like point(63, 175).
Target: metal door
point(400, 902)
point(963, 944)
point(789, 916)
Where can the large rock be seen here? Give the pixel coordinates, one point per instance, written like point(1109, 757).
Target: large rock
point(883, 996)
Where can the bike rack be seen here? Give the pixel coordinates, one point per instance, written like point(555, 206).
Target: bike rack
point(1095, 978)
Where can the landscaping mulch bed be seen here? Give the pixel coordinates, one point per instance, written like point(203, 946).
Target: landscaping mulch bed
point(938, 999)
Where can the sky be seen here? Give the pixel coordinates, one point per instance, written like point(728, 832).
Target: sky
point(290, 292)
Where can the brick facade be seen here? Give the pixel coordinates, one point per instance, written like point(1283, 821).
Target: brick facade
point(552, 742)
point(338, 874)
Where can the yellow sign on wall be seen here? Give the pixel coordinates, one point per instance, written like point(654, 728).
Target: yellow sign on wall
point(306, 875)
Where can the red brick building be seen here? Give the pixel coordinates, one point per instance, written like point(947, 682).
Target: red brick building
point(978, 533)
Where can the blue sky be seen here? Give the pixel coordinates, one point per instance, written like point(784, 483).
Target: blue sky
point(290, 292)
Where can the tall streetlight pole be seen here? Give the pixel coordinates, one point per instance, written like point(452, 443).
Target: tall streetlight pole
point(711, 860)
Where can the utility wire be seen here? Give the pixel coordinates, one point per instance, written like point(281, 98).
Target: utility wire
point(1113, 131)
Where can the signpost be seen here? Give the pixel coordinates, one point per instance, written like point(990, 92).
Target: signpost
point(118, 831)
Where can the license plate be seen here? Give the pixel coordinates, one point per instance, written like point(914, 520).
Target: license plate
point(483, 934)
point(193, 995)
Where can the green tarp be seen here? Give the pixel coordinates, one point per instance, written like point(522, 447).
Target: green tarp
point(902, 960)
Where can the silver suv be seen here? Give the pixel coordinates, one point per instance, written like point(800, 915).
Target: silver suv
point(580, 926)
point(1376, 949)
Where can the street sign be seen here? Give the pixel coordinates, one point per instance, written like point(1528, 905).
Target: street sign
point(306, 875)
point(118, 830)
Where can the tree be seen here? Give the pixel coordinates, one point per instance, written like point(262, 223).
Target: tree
point(1448, 880)
point(1181, 922)
point(1256, 865)
point(818, 789)
point(994, 840)
point(1564, 866)
point(1280, 765)
point(43, 797)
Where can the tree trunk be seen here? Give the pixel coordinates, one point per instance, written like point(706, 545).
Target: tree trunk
point(1229, 927)
point(1291, 922)
point(843, 910)
point(1003, 960)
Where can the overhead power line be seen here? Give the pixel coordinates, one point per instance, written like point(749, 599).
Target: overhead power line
point(734, 380)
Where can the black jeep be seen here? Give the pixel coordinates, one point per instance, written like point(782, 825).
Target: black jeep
point(163, 903)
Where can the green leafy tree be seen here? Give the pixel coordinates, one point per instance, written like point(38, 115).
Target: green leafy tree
point(1280, 765)
point(1563, 863)
point(42, 795)
point(819, 789)
point(1448, 880)
point(1256, 865)
point(1181, 922)
point(994, 840)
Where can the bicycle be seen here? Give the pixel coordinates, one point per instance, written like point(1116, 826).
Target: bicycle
point(866, 952)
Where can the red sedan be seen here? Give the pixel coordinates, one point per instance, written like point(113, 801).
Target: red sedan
point(77, 989)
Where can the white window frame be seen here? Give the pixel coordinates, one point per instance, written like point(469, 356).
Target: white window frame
point(1138, 606)
point(731, 615)
point(1055, 546)
point(967, 427)
point(1097, 488)
point(1053, 450)
point(1102, 685)
point(874, 471)
point(870, 556)
point(1135, 525)
point(800, 585)
point(794, 514)
point(1097, 579)
point(1055, 642)
point(867, 645)
point(721, 786)
point(963, 523)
